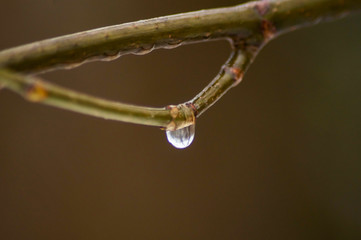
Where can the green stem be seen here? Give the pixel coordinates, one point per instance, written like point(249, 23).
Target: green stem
point(35, 90)
point(230, 76)
point(243, 21)
point(248, 26)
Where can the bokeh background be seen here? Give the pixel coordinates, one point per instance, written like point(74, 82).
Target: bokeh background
point(279, 157)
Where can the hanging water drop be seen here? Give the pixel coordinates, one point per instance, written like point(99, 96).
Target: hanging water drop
point(181, 138)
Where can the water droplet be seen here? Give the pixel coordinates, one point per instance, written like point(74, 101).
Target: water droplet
point(110, 56)
point(69, 66)
point(173, 44)
point(181, 138)
point(145, 49)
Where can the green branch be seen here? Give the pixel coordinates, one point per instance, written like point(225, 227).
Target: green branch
point(247, 26)
point(35, 90)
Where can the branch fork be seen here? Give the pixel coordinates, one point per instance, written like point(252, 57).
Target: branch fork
point(248, 27)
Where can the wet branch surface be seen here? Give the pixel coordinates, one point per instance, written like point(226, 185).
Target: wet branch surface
point(248, 27)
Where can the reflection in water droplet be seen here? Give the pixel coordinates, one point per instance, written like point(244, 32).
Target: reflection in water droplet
point(181, 138)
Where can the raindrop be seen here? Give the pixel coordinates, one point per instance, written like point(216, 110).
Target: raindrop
point(173, 44)
point(110, 56)
point(72, 65)
point(145, 49)
point(181, 138)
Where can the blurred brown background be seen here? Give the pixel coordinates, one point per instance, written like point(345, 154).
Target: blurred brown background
point(279, 157)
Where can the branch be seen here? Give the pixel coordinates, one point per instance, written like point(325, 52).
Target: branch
point(247, 26)
point(36, 90)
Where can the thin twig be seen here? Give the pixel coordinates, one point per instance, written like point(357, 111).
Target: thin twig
point(230, 76)
point(248, 26)
point(36, 90)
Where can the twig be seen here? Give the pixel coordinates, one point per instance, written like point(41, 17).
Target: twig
point(248, 27)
